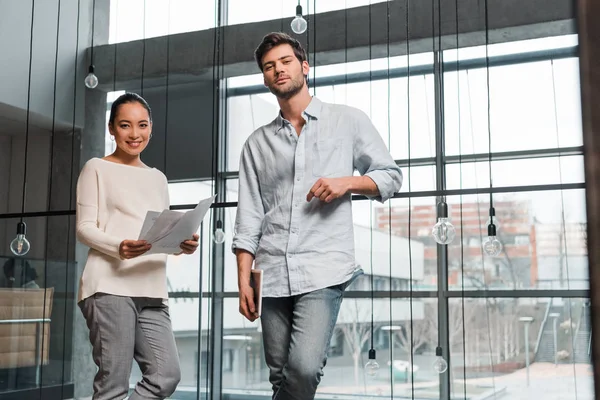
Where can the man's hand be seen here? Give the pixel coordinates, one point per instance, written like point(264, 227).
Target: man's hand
point(133, 248)
point(247, 306)
point(328, 189)
point(190, 246)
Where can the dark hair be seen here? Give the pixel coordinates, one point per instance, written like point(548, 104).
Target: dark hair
point(275, 39)
point(124, 99)
point(27, 272)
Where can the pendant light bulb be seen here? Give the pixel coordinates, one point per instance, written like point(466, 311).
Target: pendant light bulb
point(443, 231)
point(372, 367)
point(91, 80)
point(219, 234)
point(299, 24)
point(439, 365)
point(492, 246)
point(20, 245)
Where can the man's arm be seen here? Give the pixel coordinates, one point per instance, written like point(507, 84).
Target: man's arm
point(328, 189)
point(381, 177)
point(247, 306)
point(248, 230)
point(250, 210)
point(372, 159)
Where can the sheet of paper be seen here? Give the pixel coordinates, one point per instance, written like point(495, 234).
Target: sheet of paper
point(256, 281)
point(151, 230)
point(148, 222)
point(164, 223)
point(170, 228)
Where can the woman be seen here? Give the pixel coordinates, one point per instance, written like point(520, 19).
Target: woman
point(123, 293)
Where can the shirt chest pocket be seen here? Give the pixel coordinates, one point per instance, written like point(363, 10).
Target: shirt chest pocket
point(328, 158)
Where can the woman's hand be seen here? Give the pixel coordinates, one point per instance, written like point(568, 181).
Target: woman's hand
point(133, 248)
point(190, 246)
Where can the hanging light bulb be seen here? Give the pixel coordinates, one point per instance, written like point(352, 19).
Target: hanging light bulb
point(443, 231)
point(219, 235)
point(372, 367)
point(492, 246)
point(299, 24)
point(439, 365)
point(20, 245)
point(91, 80)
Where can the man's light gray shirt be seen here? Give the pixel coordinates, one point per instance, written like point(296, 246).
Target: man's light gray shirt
point(304, 246)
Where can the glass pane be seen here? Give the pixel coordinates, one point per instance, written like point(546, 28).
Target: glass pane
point(525, 172)
point(386, 250)
point(161, 18)
point(532, 106)
point(521, 348)
point(232, 186)
point(181, 193)
point(37, 303)
point(540, 250)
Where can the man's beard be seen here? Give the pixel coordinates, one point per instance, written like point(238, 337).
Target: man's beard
point(289, 92)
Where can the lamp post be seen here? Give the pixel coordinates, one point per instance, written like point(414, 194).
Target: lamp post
point(554, 317)
point(526, 321)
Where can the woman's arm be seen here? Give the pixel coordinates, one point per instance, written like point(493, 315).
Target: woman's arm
point(88, 232)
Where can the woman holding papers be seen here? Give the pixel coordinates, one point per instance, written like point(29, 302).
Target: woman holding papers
point(122, 292)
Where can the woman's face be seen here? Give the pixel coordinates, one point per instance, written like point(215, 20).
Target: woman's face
point(131, 128)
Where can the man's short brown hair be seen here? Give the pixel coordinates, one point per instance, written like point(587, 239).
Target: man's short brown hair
point(275, 39)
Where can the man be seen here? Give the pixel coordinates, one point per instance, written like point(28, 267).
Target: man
point(18, 273)
point(294, 215)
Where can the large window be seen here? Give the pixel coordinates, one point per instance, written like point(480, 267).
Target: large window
point(507, 324)
point(537, 180)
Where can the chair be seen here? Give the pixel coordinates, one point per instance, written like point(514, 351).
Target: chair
point(25, 328)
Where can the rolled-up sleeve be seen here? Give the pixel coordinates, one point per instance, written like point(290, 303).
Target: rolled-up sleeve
point(250, 212)
point(372, 158)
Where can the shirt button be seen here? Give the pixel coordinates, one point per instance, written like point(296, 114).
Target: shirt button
point(289, 255)
point(298, 179)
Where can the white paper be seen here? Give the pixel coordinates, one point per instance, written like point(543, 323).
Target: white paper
point(151, 216)
point(153, 230)
point(166, 230)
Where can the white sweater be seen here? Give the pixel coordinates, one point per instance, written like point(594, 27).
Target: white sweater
point(112, 201)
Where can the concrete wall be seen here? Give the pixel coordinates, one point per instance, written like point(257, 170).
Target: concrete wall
point(336, 36)
point(183, 123)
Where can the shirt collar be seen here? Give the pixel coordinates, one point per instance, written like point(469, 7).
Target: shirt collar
point(313, 110)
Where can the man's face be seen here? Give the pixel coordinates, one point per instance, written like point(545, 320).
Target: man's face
point(283, 74)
